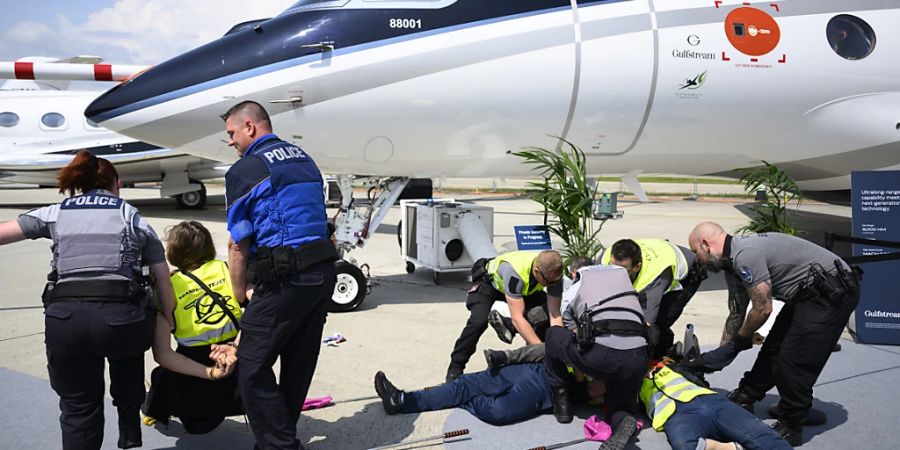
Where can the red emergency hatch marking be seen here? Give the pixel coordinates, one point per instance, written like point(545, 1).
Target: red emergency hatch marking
point(718, 2)
point(752, 31)
point(775, 5)
point(24, 70)
point(783, 58)
point(725, 58)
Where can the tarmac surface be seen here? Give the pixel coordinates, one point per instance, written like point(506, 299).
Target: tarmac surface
point(406, 327)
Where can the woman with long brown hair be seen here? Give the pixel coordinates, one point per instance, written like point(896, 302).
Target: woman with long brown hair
point(204, 312)
point(97, 302)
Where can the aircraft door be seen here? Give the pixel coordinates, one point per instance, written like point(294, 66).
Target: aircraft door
point(617, 67)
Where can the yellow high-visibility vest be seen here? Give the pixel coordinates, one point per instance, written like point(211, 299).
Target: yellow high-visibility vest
point(522, 262)
point(661, 392)
point(657, 255)
point(198, 319)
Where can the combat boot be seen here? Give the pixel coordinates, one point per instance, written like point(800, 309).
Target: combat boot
point(391, 397)
point(454, 372)
point(743, 399)
point(496, 358)
point(625, 430)
point(129, 427)
point(502, 325)
point(562, 405)
point(791, 432)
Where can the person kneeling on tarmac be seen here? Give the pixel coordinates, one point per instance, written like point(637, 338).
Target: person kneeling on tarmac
point(610, 345)
point(189, 384)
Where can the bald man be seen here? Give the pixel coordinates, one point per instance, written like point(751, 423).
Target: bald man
point(820, 291)
point(520, 279)
point(279, 245)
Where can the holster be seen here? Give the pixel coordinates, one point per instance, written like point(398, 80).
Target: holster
point(832, 287)
point(589, 330)
point(479, 269)
point(278, 263)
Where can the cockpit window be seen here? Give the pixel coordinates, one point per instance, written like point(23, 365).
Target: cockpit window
point(850, 37)
point(8, 119)
point(304, 5)
point(53, 120)
point(313, 5)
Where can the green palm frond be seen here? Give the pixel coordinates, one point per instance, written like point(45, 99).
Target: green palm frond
point(567, 194)
point(781, 190)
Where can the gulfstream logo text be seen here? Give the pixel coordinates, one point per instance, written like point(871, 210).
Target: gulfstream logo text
point(888, 314)
point(690, 54)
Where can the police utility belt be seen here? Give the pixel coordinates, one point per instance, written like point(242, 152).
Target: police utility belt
point(107, 291)
point(834, 287)
point(278, 263)
point(590, 329)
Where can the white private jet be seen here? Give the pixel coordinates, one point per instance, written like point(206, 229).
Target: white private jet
point(42, 127)
point(426, 88)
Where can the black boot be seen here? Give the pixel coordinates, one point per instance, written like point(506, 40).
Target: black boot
point(496, 358)
point(813, 417)
point(562, 406)
point(625, 430)
point(129, 427)
point(743, 399)
point(503, 326)
point(454, 372)
point(391, 397)
point(791, 432)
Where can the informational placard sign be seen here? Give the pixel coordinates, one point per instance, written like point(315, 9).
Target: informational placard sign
point(876, 215)
point(532, 237)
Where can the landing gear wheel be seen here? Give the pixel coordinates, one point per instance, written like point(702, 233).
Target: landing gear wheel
point(350, 288)
point(193, 199)
point(436, 277)
point(410, 267)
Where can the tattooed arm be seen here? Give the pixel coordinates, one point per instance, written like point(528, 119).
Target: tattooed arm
point(761, 300)
point(738, 300)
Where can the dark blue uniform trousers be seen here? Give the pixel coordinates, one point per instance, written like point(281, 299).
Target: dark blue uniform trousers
point(79, 336)
point(497, 396)
point(284, 318)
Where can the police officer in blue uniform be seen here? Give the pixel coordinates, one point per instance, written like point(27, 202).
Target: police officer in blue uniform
point(280, 247)
point(97, 305)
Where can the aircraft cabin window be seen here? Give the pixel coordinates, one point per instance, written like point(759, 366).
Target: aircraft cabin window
point(850, 37)
point(53, 120)
point(8, 119)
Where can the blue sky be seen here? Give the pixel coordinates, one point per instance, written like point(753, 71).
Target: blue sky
point(121, 31)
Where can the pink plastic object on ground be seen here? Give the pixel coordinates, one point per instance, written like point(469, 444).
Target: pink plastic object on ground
point(598, 430)
point(317, 402)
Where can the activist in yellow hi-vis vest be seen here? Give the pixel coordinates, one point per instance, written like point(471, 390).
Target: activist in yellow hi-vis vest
point(522, 262)
point(657, 256)
point(198, 319)
point(662, 390)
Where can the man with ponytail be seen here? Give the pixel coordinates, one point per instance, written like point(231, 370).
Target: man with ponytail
point(280, 248)
point(96, 305)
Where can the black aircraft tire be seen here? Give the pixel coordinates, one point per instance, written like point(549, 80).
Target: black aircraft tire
point(193, 199)
point(350, 288)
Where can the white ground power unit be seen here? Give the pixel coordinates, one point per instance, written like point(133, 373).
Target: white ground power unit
point(444, 235)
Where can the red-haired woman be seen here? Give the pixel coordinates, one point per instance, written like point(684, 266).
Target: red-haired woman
point(96, 305)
